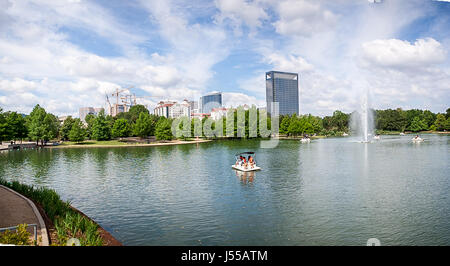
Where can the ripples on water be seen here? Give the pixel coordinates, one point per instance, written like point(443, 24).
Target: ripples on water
point(327, 192)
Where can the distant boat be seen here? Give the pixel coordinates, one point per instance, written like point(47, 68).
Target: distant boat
point(402, 134)
point(417, 139)
point(245, 167)
point(376, 137)
point(305, 140)
point(344, 134)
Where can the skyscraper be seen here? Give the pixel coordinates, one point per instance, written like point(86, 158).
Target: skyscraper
point(210, 101)
point(282, 87)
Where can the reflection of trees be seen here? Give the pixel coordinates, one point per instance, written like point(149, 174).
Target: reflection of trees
point(41, 162)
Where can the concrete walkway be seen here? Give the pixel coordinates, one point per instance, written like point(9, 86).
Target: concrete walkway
point(16, 209)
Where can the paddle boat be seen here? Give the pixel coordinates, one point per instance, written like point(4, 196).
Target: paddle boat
point(402, 134)
point(417, 139)
point(244, 162)
point(305, 139)
point(344, 134)
point(376, 137)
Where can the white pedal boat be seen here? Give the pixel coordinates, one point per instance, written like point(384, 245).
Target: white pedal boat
point(305, 140)
point(417, 139)
point(248, 169)
point(240, 167)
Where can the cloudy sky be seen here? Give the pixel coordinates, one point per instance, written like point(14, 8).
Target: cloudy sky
point(65, 54)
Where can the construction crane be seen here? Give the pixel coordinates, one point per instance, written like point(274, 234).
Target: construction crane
point(115, 110)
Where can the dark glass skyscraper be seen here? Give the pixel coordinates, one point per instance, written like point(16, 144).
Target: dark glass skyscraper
point(282, 87)
point(210, 101)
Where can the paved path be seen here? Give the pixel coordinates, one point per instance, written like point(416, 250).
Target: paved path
point(16, 209)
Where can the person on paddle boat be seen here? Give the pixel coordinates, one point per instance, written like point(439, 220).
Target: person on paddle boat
point(239, 161)
point(244, 163)
point(251, 161)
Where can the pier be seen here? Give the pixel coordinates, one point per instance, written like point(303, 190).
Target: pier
point(29, 145)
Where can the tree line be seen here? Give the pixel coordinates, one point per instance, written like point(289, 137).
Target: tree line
point(41, 126)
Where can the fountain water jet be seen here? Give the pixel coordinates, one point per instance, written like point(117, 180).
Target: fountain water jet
point(362, 120)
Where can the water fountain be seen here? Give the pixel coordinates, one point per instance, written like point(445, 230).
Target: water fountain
point(362, 120)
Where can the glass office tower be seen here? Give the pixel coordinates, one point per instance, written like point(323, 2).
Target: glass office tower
point(210, 101)
point(282, 87)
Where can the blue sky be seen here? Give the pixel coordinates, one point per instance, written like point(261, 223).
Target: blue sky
point(70, 53)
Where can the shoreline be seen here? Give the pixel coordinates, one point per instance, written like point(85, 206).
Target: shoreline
point(177, 142)
point(48, 227)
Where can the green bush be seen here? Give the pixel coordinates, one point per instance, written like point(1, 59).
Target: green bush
point(68, 222)
point(18, 237)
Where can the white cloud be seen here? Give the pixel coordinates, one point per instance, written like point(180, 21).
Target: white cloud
point(303, 17)
point(403, 54)
point(241, 12)
point(234, 99)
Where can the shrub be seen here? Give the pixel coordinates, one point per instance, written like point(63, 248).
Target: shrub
point(19, 237)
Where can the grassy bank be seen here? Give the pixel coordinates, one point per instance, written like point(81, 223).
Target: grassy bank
point(68, 222)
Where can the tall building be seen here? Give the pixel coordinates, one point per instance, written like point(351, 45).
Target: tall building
point(84, 111)
point(210, 101)
point(282, 87)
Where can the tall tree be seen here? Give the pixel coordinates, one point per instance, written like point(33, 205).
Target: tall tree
point(90, 119)
point(4, 129)
point(163, 129)
point(440, 122)
point(66, 127)
point(16, 125)
point(121, 128)
point(143, 126)
point(77, 133)
point(135, 111)
point(51, 127)
point(101, 129)
point(418, 124)
point(35, 125)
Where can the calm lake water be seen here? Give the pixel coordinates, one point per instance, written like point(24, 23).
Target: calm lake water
point(328, 192)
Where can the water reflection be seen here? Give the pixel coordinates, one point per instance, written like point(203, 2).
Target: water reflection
point(330, 191)
point(245, 177)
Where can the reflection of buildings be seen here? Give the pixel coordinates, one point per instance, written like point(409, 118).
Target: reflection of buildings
point(172, 109)
point(210, 101)
point(282, 87)
point(84, 111)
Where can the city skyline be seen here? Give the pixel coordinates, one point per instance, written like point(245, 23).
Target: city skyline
point(80, 51)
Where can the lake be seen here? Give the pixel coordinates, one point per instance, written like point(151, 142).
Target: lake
point(332, 191)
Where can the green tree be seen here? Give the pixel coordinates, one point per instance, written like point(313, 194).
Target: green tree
point(66, 127)
point(440, 122)
point(284, 125)
point(17, 124)
point(429, 118)
point(51, 127)
point(90, 119)
point(121, 128)
point(163, 129)
point(101, 129)
point(135, 111)
point(77, 133)
point(418, 124)
point(4, 130)
point(295, 127)
point(447, 113)
point(35, 125)
point(144, 125)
